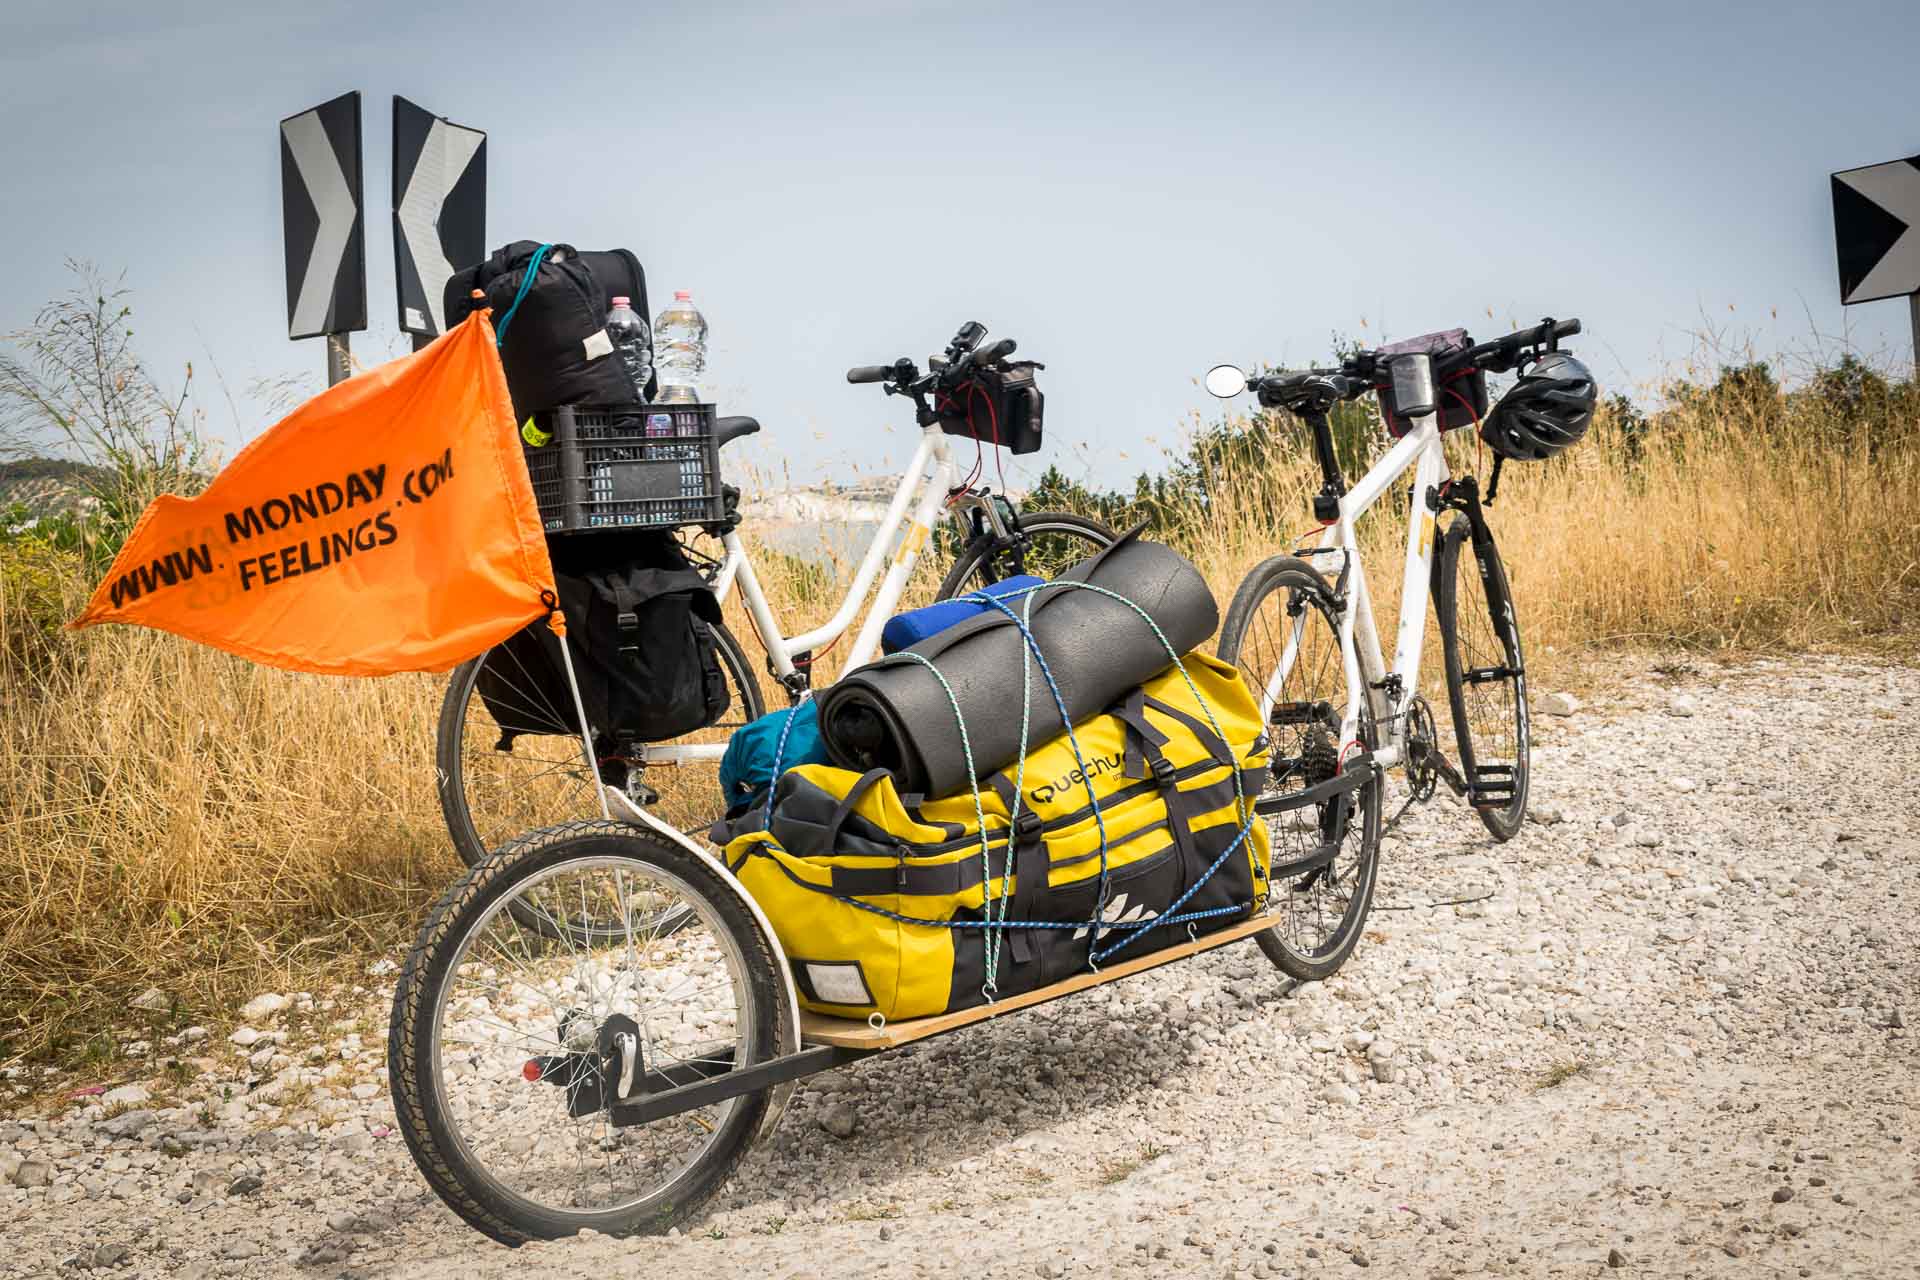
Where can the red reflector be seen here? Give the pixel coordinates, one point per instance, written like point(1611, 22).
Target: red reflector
point(531, 1071)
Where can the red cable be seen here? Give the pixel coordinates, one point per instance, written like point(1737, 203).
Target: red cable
point(1474, 414)
point(818, 654)
point(993, 425)
point(946, 403)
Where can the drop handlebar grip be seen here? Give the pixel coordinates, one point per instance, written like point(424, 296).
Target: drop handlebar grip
point(870, 373)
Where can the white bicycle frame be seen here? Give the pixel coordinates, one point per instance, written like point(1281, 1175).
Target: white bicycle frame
point(1360, 653)
point(737, 568)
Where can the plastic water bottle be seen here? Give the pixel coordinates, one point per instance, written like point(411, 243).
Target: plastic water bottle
point(632, 345)
point(681, 332)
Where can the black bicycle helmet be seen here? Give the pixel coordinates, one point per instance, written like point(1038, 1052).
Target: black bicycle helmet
point(1544, 413)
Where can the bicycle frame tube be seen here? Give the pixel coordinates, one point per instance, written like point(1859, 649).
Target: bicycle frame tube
point(1419, 449)
point(738, 568)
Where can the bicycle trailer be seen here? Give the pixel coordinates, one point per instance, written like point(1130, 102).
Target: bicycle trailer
point(1131, 833)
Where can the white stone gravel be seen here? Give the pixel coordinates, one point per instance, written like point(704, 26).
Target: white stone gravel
point(1663, 1032)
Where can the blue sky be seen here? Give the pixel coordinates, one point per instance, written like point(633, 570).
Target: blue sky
point(1132, 193)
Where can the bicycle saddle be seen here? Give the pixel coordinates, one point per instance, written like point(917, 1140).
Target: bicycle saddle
point(727, 430)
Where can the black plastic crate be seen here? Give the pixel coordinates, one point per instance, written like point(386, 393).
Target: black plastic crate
point(628, 467)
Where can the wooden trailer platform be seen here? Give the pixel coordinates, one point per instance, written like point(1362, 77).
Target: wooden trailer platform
point(847, 1033)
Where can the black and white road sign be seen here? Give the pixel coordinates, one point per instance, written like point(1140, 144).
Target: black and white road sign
point(320, 204)
point(439, 210)
point(1876, 228)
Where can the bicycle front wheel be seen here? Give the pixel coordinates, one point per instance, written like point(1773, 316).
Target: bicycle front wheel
point(494, 786)
point(510, 1048)
point(1283, 634)
point(1486, 679)
point(1045, 544)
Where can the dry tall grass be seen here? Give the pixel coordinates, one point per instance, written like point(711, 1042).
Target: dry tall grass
point(177, 818)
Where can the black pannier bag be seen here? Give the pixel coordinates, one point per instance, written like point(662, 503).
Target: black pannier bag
point(554, 344)
point(637, 622)
point(1000, 405)
point(1463, 395)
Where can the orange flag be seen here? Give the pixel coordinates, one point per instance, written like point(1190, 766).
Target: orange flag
point(385, 525)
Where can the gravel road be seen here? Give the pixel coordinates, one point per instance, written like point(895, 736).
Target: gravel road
point(1668, 1037)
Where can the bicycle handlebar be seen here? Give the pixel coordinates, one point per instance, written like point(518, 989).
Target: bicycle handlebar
point(1501, 354)
point(1358, 375)
point(964, 354)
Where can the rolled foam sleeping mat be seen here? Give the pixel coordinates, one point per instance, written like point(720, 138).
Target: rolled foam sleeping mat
point(893, 714)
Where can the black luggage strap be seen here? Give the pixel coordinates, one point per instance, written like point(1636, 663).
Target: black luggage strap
point(844, 810)
point(1144, 758)
point(912, 802)
point(1027, 858)
point(627, 620)
point(938, 881)
point(1212, 741)
point(1143, 741)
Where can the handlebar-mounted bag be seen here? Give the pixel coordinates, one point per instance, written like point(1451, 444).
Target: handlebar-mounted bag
point(1001, 404)
point(1463, 394)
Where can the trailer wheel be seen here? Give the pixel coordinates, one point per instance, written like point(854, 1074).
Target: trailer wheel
point(510, 1044)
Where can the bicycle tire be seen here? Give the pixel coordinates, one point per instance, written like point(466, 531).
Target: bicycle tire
point(1489, 760)
point(1305, 758)
point(451, 744)
point(980, 556)
point(419, 1095)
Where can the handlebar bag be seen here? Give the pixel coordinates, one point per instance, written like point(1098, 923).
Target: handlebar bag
point(861, 882)
point(638, 620)
point(1463, 395)
point(1000, 405)
point(553, 343)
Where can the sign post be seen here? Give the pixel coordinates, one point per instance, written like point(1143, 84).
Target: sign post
point(320, 201)
point(439, 212)
point(1876, 232)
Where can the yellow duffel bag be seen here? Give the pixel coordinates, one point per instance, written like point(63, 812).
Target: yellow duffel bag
point(862, 884)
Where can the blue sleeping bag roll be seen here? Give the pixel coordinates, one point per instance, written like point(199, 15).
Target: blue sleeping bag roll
point(904, 630)
point(746, 770)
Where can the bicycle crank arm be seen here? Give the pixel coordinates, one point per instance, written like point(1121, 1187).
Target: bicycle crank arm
point(1448, 774)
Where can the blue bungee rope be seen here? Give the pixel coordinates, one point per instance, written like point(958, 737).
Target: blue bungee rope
point(780, 752)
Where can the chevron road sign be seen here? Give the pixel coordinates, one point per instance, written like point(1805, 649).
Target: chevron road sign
point(320, 204)
point(439, 211)
point(1876, 230)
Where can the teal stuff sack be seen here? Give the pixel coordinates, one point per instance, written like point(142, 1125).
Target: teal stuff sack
point(747, 769)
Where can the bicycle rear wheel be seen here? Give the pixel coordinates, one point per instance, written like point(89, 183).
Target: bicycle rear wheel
point(1283, 634)
point(1486, 678)
point(490, 792)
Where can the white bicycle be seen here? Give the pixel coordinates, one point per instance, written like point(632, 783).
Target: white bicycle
point(494, 786)
point(1301, 630)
